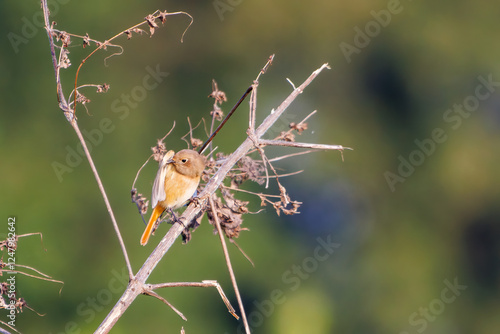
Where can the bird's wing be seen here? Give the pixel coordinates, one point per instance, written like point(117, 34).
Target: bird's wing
point(158, 193)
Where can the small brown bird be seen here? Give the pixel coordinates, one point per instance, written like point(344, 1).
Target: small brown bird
point(175, 183)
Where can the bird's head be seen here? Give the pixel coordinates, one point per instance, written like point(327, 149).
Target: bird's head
point(188, 162)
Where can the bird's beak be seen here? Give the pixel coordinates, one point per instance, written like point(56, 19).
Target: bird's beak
point(167, 158)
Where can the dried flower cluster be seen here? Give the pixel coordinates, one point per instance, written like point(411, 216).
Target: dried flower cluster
point(219, 97)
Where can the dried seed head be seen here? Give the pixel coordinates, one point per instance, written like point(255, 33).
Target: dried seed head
point(139, 200)
point(298, 127)
point(195, 142)
point(158, 150)
point(287, 136)
point(102, 88)
point(86, 41)
point(80, 98)
point(163, 16)
point(217, 113)
point(152, 24)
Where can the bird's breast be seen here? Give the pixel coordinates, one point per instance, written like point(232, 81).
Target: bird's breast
point(178, 189)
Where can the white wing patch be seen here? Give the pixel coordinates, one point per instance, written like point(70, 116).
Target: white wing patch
point(158, 194)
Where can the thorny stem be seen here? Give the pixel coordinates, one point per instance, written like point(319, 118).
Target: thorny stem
point(228, 263)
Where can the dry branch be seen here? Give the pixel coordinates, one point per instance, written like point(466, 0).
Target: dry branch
point(138, 284)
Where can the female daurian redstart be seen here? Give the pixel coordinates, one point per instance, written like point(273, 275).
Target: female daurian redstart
point(176, 181)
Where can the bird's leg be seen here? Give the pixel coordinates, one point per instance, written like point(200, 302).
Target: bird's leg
point(176, 219)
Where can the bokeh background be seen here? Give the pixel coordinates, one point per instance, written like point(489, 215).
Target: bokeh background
point(411, 229)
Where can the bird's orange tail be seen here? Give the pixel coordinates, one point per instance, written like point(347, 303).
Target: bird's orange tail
point(154, 216)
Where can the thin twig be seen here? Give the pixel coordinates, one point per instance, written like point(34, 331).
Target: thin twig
point(139, 171)
point(283, 175)
point(169, 132)
point(228, 264)
point(105, 197)
point(268, 142)
point(249, 192)
point(253, 106)
point(253, 97)
point(154, 294)
point(145, 163)
point(30, 275)
point(203, 284)
point(33, 233)
point(242, 252)
point(202, 148)
point(4, 331)
point(291, 155)
point(35, 270)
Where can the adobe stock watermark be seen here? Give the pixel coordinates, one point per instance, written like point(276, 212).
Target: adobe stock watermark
point(89, 308)
point(292, 277)
point(223, 6)
point(363, 37)
point(121, 107)
point(31, 26)
point(453, 117)
point(420, 320)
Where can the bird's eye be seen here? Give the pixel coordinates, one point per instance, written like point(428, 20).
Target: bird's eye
point(184, 160)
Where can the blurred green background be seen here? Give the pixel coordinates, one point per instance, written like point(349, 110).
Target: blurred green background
point(410, 218)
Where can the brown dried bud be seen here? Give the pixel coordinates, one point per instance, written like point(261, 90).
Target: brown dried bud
point(163, 16)
point(217, 94)
point(217, 113)
point(298, 127)
point(86, 41)
point(80, 98)
point(159, 150)
point(195, 142)
point(102, 88)
point(287, 136)
point(139, 200)
point(152, 24)
point(64, 62)
point(65, 38)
